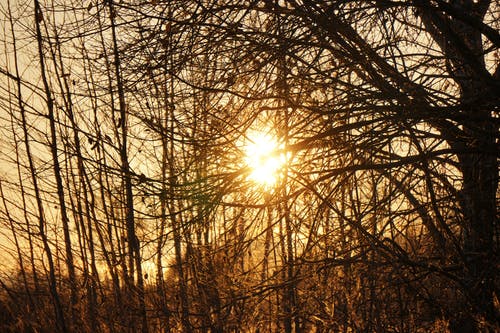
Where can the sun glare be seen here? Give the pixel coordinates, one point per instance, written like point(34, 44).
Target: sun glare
point(263, 158)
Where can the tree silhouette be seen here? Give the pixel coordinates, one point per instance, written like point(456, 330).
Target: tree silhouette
point(127, 196)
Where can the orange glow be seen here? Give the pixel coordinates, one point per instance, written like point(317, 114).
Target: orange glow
point(263, 158)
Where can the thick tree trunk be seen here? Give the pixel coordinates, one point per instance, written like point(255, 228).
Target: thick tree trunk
point(479, 166)
point(462, 45)
point(480, 182)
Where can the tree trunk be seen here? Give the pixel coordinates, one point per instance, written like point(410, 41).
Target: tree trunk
point(462, 45)
point(133, 241)
point(480, 182)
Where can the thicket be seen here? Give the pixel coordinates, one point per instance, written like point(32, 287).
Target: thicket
point(125, 198)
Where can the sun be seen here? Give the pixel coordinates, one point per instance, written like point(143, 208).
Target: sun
point(263, 158)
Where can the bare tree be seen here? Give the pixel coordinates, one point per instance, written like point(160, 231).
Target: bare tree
point(383, 216)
